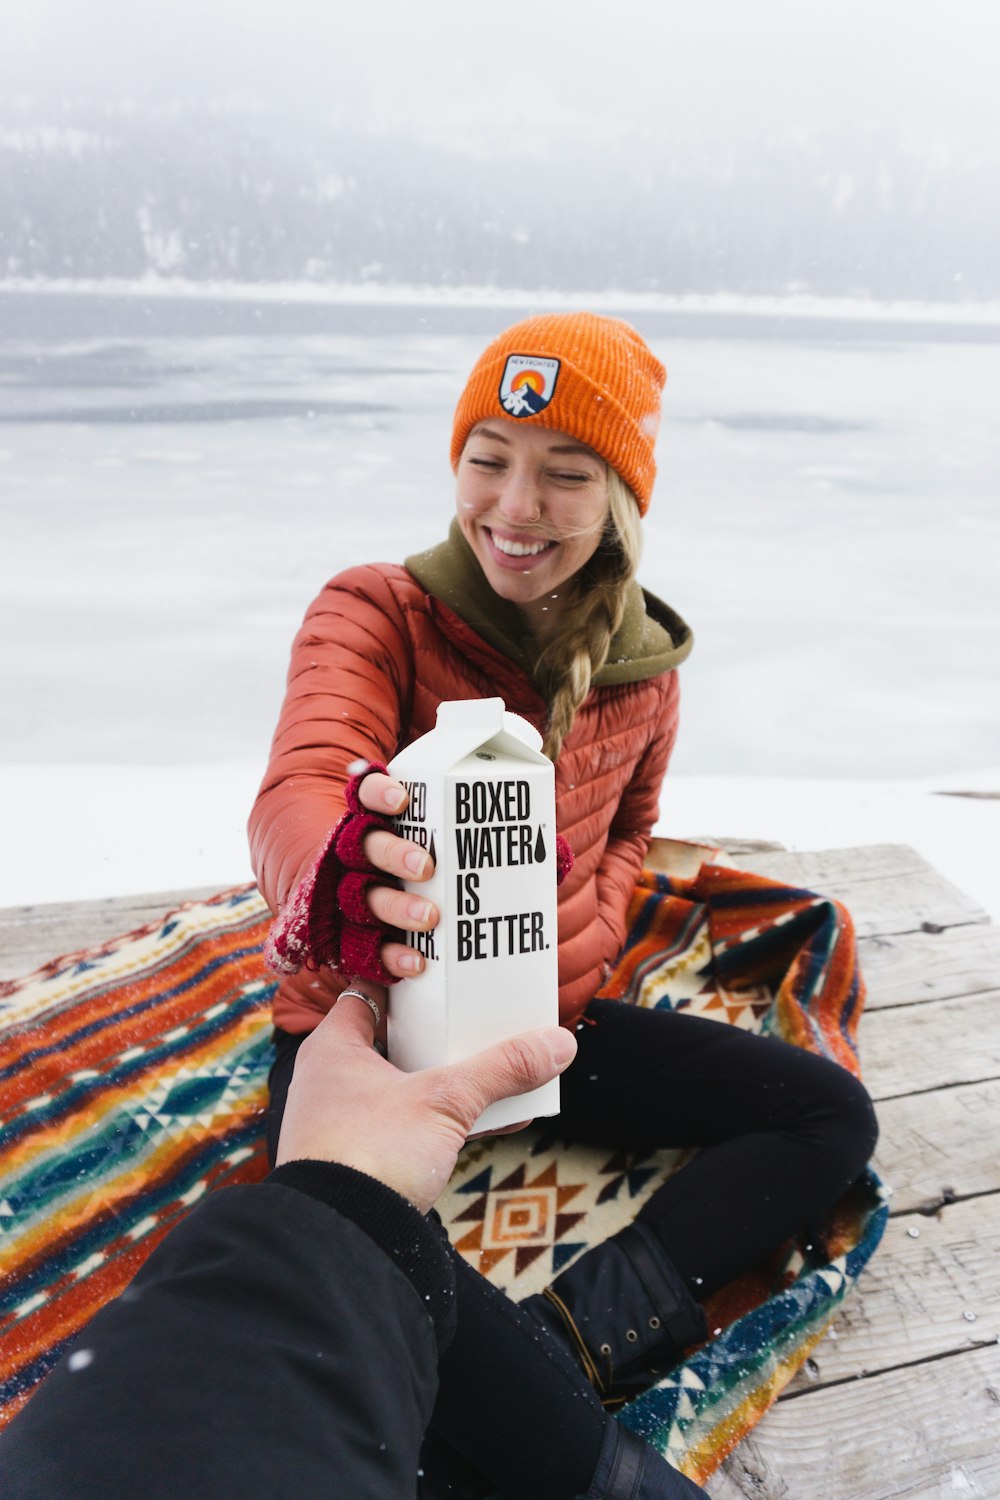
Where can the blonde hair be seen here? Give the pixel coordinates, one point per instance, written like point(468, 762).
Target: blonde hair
point(567, 664)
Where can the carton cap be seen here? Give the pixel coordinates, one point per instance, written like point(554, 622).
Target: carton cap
point(484, 714)
point(462, 728)
point(522, 730)
point(487, 716)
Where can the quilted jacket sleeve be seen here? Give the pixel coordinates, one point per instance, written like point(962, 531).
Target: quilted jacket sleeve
point(633, 823)
point(349, 686)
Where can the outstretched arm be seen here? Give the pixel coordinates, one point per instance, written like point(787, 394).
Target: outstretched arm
point(349, 685)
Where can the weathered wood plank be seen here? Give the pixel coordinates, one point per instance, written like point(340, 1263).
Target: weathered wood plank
point(32, 935)
point(859, 862)
point(683, 856)
point(924, 1433)
point(932, 1288)
point(936, 1147)
point(887, 888)
point(921, 1047)
point(51, 911)
point(907, 968)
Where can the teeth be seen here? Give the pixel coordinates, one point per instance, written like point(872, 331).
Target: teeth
point(517, 549)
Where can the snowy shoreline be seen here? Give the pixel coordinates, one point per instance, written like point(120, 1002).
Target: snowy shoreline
point(76, 833)
point(792, 305)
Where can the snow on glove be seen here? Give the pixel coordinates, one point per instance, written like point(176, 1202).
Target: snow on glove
point(326, 920)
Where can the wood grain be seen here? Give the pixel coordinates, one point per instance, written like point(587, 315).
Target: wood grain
point(888, 888)
point(933, 1287)
point(934, 1148)
point(930, 1432)
point(911, 967)
point(921, 1047)
point(32, 935)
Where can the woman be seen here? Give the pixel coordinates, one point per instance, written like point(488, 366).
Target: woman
point(533, 598)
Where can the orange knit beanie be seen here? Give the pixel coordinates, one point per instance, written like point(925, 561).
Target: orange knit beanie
point(578, 373)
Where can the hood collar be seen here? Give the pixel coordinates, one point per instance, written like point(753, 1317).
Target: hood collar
point(651, 639)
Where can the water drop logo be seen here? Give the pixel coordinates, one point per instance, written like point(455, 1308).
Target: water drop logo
point(528, 384)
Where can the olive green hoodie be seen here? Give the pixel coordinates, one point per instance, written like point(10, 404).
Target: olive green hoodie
point(651, 639)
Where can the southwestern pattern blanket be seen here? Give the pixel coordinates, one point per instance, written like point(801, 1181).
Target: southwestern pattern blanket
point(132, 1081)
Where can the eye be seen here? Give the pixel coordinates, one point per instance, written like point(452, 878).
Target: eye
point(486, 463)
point(565, 476)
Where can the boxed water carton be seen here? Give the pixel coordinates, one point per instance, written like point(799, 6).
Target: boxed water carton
point(482, 802)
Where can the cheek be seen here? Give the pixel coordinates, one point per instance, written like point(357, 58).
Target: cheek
point(585, 527)
point(588, 539)
point(468, 495)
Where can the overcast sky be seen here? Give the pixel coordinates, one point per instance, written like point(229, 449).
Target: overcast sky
point(485, 73)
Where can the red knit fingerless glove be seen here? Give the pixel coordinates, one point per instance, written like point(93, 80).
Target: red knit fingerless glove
point(326, 920)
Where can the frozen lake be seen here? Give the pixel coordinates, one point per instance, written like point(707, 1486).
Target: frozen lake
point(826, 518)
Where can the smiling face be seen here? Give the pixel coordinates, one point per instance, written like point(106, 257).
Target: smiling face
point(532, 504)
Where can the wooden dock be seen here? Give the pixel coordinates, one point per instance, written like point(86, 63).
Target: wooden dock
point(903, 1398)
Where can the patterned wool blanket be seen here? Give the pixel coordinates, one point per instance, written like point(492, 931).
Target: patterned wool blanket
point(132, 1081)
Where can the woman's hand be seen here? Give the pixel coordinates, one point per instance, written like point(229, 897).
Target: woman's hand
point(340, 914)
point(408, 861)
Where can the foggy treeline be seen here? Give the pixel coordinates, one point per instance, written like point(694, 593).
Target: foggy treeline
point(238, 194)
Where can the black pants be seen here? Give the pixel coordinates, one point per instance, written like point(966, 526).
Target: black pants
point(783, 1133)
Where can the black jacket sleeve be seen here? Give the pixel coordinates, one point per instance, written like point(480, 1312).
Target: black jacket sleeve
point(282, 1341)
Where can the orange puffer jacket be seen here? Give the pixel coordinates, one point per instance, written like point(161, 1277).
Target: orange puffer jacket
point(379, 649)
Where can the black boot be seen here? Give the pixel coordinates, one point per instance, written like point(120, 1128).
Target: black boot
point(629, 1469)
point(625, 1312)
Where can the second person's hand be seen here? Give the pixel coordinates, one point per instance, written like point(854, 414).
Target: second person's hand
point(347, 1104)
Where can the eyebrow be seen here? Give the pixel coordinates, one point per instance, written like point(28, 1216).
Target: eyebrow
point(498, 437)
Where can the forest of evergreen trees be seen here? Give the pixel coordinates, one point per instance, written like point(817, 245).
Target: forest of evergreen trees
point(241, 195)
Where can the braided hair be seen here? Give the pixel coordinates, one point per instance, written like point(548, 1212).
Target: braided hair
point(568, 662)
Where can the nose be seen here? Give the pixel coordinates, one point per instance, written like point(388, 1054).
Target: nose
point(520, 499)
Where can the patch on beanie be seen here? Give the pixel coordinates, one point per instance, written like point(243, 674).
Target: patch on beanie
point(527, 384)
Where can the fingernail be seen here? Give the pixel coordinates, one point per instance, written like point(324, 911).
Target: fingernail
point(393, 798)
point(562, 1047)
point(415, 861)
point(411, 963)
point(419, 911)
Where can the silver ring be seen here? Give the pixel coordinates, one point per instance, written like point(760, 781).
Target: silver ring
point(372, 1006)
